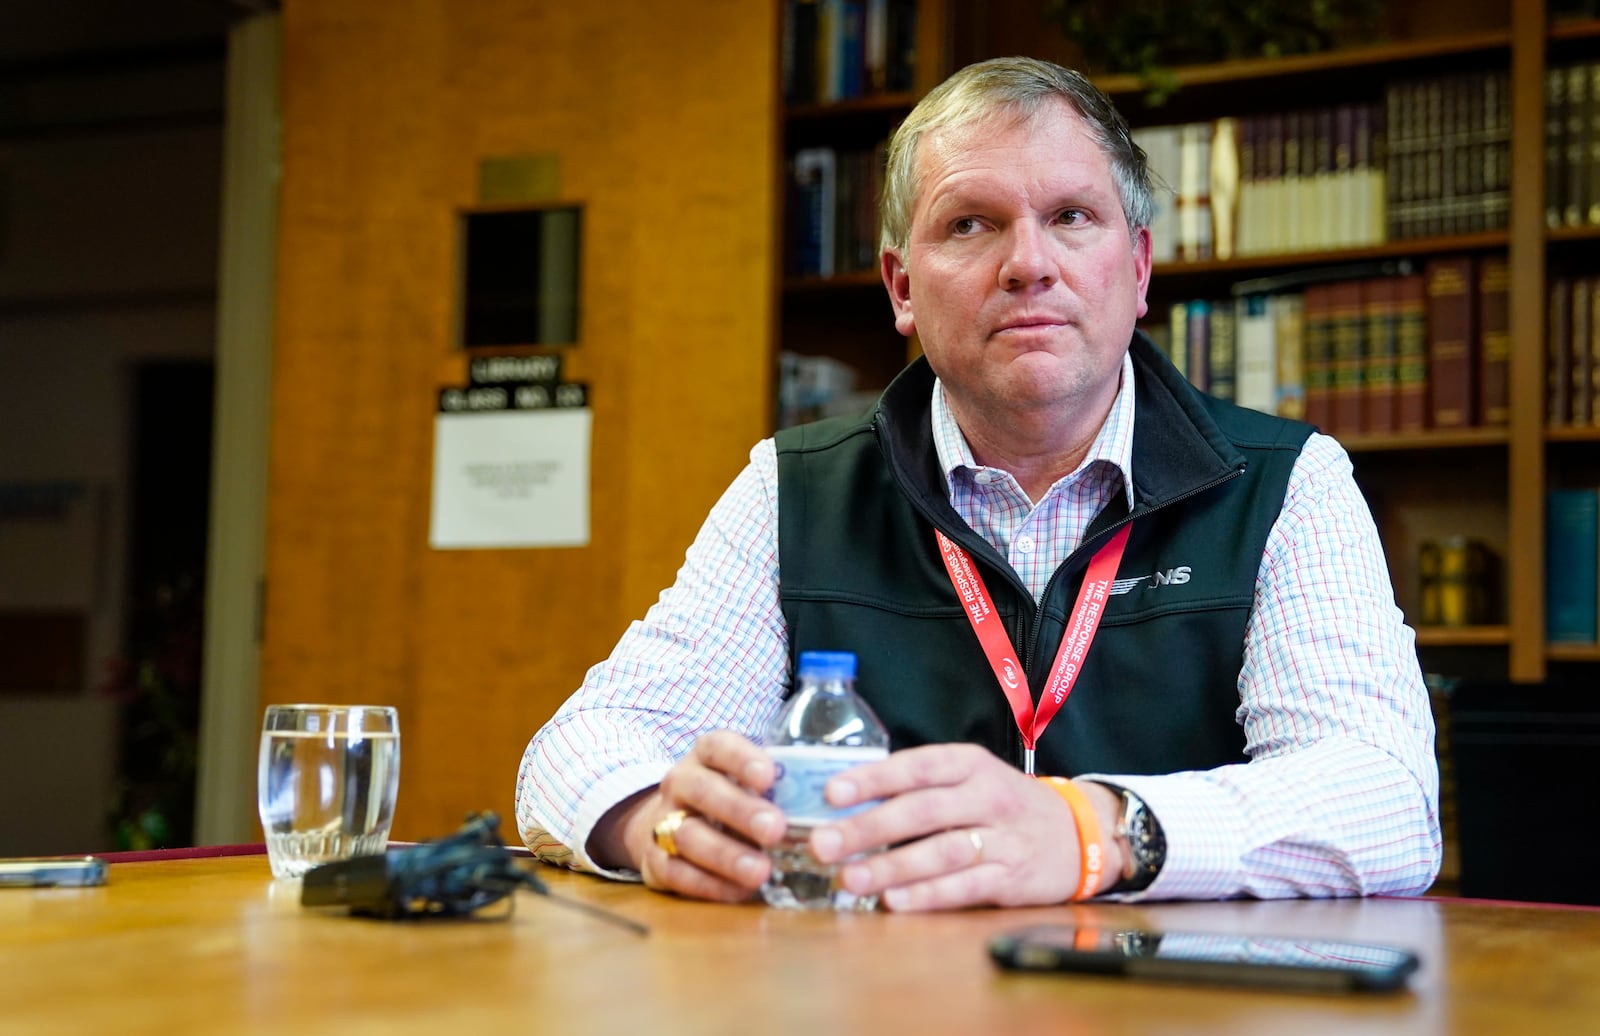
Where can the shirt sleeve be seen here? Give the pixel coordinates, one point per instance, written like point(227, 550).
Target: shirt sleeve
point(710, 654)
point(1341, 794)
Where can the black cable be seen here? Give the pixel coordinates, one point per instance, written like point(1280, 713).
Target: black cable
point(454, 876)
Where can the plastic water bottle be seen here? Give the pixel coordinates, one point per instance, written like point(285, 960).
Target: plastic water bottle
point(823, 729)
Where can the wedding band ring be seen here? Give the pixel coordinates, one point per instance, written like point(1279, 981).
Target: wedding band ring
point(666, 830)
point(977, 845)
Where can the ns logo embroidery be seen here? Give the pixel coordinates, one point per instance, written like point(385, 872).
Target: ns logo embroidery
point(1168, 577)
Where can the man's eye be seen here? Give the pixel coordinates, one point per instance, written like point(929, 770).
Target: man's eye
point(964, 225)
point(1072, 217)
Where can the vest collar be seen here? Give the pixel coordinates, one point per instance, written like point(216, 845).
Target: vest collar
point(1178, 449)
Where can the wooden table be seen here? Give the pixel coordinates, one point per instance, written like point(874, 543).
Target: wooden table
point(215, 945)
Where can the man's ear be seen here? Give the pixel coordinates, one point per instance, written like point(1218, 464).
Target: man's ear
point(1142, 261)
point(898, 283)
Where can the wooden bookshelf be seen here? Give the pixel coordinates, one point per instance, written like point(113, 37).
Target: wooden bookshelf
point(1463, 636)
point(1573, 652)
point(1577, 29)
point(1434, 439)
point(1374, 59)
point(1484, 481)
point(1591, 434)
point(1240, 267)
point(874, 104)
point(1560, 234)
point(855, 280)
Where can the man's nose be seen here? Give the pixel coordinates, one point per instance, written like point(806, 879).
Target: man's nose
point(1028, 256)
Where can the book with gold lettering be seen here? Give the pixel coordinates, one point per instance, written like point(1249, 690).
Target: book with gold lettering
point(1272, 234)
point(1579, 401)
point(1555, 152)
point(1452, 158)
point(1592, 138)
point(1291, 233)
point(1594, 357)
point(1411, 353)
point(1558, 353)
point(1428, 218)
point(1222, 349)
point(1575, 181)
point(1380, 367)
point(1397, 192)
point(1452, 338)
point(1347, 367)
point(1324, 191)
point(1178, 336)
point(1494, 330)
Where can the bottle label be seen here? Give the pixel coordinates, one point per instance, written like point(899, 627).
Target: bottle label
point(803, 773)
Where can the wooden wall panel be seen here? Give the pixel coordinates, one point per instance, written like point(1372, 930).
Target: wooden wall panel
point(663, 116)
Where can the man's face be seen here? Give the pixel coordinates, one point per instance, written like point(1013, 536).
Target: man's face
point(1020, 276)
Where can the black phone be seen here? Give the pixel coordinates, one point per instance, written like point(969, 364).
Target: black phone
point(47, 871)
point(1211, 958)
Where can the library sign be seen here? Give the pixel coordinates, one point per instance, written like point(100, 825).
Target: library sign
point(511, 457)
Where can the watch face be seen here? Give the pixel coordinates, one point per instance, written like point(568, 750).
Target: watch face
point(1152, 843)
point(1145, 839)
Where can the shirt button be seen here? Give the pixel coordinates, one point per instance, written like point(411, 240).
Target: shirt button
point(1025, 544)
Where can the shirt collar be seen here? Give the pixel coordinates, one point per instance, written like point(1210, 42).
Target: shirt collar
point(1113, 444)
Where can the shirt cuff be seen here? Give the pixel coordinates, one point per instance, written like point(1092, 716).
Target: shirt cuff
point(611, 789)
point(1204, 846)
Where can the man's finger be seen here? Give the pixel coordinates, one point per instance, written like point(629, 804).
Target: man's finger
point(735, 755)
point(710, 794)
point(928, 766)
point(676, 874)
point(701, 843)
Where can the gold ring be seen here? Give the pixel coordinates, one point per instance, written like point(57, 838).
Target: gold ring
point(977, 845)
point(666, 830)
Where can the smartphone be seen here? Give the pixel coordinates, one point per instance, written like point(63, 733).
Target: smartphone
point(1312, 964)
point(46, 871)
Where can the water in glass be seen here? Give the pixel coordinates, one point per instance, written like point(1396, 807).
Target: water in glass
point(327, 790)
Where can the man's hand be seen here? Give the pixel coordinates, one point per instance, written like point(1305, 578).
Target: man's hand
point(935, 798)
point(719, 784)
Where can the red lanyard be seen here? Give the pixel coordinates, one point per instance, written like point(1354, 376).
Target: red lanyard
point(1081, 628)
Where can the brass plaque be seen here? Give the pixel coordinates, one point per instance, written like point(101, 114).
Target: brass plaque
point(514, 179)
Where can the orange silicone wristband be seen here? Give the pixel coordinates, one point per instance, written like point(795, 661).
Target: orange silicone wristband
point(1091, 855)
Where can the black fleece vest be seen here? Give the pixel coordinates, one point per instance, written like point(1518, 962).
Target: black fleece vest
point(859, 498)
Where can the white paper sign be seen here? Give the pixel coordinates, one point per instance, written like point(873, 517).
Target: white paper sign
point(516, 478)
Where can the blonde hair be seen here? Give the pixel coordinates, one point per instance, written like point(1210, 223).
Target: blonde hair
point(1023, 86)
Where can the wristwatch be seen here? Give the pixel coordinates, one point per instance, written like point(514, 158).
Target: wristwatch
point(1146, 845)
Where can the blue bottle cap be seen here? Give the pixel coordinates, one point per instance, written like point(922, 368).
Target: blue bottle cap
point(828, 665)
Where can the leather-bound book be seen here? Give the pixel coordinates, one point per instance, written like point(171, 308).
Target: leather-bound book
point(1411, 353)
point(1452, 365)
point(1380, 323)
point(1494, 332)
point(1347, 335)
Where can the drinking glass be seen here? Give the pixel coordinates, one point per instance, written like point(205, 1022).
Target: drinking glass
point(326, 783)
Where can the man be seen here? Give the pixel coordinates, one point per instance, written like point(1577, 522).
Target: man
point(1250, 701)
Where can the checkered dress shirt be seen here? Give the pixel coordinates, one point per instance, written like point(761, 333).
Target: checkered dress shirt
point(1340, 796)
